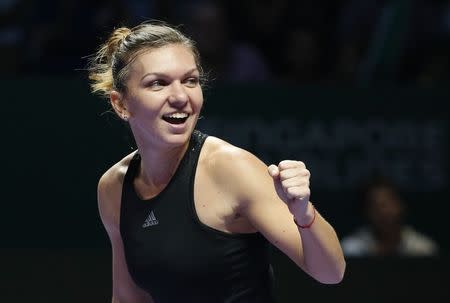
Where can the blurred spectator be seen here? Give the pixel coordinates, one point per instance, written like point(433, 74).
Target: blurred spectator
point(307, 47)
point(301, 57)
point(224, 58)
point(261, 23)
point(308, 41)
point(354, 26)
point(368, 31)
point(386, 232)
point(393, 41)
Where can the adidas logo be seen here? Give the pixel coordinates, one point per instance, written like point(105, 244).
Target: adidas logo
point(150, 221)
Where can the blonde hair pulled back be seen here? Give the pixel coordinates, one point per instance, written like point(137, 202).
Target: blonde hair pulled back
point(109, 67)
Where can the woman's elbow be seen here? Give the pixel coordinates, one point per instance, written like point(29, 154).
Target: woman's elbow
point(333, 277)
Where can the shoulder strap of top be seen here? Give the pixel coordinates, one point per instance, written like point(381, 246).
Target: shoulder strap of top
point(132, 168)
point(196, 142)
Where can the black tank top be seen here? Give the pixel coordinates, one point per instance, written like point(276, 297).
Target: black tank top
point(176, 258)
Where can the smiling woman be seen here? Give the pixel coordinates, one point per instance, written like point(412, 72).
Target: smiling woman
point(191, 217)
point(162, 95)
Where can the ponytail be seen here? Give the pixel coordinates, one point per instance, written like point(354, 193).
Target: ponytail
point(109, 68)
point(101, 66)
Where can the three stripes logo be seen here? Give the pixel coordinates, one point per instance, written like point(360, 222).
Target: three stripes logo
point(150, 221)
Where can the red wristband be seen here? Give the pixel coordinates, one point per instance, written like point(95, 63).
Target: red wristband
point(310, 223)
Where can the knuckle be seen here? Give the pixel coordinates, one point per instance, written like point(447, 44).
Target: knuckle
point(282, 165)
point(292, 191)
point(301, 164)
point(306, 192)
point(307, 173)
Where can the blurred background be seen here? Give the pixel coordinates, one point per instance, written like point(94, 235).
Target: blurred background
point(355, 89)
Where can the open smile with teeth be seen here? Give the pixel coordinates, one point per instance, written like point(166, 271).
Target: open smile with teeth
point(176, 118)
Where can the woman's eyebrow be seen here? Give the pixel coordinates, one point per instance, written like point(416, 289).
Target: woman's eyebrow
point(158, 74)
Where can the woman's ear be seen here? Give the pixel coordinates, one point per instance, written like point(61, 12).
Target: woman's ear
point(119, 105)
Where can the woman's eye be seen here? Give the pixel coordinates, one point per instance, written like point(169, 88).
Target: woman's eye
point(156, 84)
point(191, 82)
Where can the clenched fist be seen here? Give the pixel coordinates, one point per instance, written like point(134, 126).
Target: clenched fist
point(291, 180)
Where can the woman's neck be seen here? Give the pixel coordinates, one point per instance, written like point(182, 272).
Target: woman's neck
point(158, 165)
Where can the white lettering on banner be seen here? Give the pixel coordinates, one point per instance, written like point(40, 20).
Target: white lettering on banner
point(341, 152)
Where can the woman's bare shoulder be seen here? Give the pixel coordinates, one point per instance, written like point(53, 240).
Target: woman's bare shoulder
point(116, 173)
point(109, 190)
point(218, 149)
point(225, 161)
point(222, 151)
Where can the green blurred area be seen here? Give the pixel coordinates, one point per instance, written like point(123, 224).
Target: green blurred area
point(59, 139)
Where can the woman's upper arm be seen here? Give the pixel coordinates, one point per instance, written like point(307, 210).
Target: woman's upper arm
point(247, 177)
point(124, 288)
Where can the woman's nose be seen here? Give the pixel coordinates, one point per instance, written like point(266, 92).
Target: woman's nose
point(178, 96)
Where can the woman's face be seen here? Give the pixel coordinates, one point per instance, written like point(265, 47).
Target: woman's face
point(164, 96)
